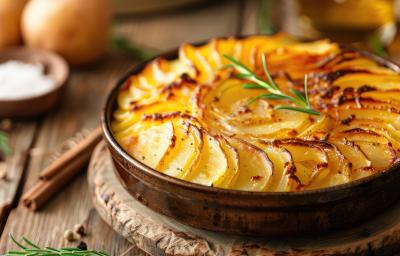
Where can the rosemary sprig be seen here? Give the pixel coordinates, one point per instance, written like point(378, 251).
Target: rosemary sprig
point(4, 145)
point(301, 101)
point(33, 249)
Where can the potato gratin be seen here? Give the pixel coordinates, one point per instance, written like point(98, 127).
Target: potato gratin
point(190, 118)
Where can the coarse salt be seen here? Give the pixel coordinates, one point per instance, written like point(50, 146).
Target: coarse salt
point(20, 80)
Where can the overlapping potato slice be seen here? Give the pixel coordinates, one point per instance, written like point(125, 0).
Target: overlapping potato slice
point(212, 165)
point(371, 111)
point(251, 48)
point(309, 158)
point(375, 147)
point(353, 153)
point(152, 109)
point(186, 150)
point(338, 170)
point(228, 179)
point(357, 80)
point(284, 167)
point(152, 143)
point(191, 119)
point(193, 56)
point(392, 97)
point(255, 168)
point(384, 129)
point(319, 128)
point(363, 64)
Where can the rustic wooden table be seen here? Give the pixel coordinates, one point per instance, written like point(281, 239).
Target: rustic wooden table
point(33, 141)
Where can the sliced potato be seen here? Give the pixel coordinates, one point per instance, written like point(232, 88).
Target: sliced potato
point(151, 145)
point(185, 152)
point(381, 82)
point(353, 153)
point(255, 168)
point(392, 97)
point(309, 158)
point(212, 165)
point(376, 147)
point(382, 156)
point(284, 167)
point(228, 179)
point(371, 114)
point(338, 170)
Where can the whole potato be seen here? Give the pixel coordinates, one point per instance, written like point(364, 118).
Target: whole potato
point(10, 17)
point(76, 29)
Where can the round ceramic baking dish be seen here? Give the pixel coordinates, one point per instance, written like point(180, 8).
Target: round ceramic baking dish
point(251, 213)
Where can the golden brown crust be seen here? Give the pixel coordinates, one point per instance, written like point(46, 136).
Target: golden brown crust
point(345, 86)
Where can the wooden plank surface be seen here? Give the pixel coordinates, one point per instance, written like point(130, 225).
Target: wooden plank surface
point(81, 108)
point(21, 139)
point(84, 98)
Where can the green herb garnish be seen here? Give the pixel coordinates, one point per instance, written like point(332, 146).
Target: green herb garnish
point(377, 46)
point(4, 145)
point(275, 93)
point(33, 249)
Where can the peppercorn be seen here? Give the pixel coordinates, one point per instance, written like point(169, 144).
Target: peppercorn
point(82, 245)
point(69, 235)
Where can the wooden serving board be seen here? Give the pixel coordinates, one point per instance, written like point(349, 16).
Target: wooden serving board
point(160, 235)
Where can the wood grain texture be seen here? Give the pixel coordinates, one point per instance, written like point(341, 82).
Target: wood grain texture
point(161, 235)
point(21, 140)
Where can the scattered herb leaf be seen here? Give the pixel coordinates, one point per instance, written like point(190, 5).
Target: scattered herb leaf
point(33, 249)
point(4, 144)
point(377, 46)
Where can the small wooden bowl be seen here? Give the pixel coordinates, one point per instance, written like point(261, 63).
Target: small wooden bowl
point(251, 213)
point(54, 66)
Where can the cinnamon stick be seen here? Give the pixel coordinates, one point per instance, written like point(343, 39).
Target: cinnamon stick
point(60, 172)
point(85, 147)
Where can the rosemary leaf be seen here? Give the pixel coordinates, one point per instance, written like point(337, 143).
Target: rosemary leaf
point(252, 86)
point(377, 46)
point(4, 144)
point(237, 65)
point(30, 243)
point(300, 96)
point(304, 110)
point(306, 90)
point(244, 76)
point(34, 249)
point(266, 71)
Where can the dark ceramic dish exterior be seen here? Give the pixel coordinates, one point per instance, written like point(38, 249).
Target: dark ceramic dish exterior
point(251, 213)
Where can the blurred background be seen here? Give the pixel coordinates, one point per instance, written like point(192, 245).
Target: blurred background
point(369, 23)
